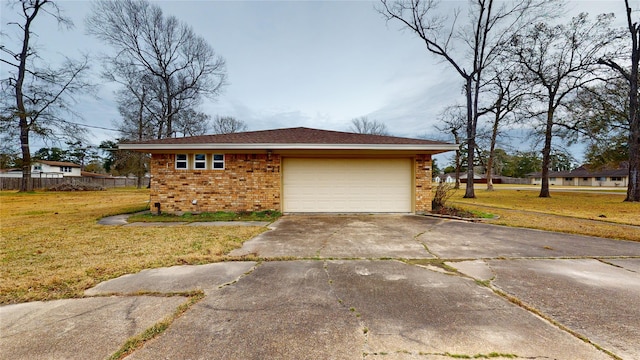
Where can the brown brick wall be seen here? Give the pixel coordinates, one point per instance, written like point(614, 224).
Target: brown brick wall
point(249, 182)
point(423, 183)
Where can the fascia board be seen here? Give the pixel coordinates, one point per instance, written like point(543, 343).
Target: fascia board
point(177, 147)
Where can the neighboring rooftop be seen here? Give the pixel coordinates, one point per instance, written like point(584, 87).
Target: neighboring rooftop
point(56, 163)
point(588, 171)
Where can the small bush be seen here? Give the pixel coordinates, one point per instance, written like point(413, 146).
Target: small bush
point(444, 191)
point(76, 187)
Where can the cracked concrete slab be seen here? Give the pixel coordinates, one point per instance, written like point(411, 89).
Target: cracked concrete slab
point(283, 310)
point(345, 309)
point(174, 279)
point(596, 300)
point(91, 328)
point(462, 240)
point(285, 239)
point(407, 308)
point(628, 264)
point(342, 236)
point(477, 269)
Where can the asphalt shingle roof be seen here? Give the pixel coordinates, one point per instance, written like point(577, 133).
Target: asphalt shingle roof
point(57, 163)
point(298, 135)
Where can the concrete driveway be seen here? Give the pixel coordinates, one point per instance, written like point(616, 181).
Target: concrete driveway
point(347, 291)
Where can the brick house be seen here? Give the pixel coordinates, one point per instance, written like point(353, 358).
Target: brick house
point(585, 175)
point(291, 170)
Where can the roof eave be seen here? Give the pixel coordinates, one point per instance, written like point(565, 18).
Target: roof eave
point(269, 146)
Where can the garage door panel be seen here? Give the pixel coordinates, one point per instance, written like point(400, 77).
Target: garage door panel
point(347, 185)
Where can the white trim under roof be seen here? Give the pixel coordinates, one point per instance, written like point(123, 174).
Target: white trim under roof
point(305, 146)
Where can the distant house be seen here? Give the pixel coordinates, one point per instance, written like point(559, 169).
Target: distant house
point(46, 168)
point(584, 176)
point(477, 178)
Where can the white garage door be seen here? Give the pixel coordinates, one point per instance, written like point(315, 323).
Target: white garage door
point(347, 185)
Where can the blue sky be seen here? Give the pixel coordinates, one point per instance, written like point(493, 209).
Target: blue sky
point(294, 63)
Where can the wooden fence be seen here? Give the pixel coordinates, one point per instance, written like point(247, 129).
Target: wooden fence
point(43, 183)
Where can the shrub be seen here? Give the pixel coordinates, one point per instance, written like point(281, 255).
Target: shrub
point(76, 187)
point(443, 192)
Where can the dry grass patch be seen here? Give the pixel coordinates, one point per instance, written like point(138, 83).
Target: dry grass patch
point(595, 214)
point(52, 247)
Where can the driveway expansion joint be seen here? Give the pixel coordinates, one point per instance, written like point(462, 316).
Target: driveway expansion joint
point(243, 275)
point(137, 341)
point(548, 318)
point(602, 260)
point(352, 310)
point(424, 245)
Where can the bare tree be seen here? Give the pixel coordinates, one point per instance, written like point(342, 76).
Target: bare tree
point(558, 60)
point(484, 37)
point(453, 122)
point(228, 125)
point(193, 123)
point(508, 93)
point(601, 115)
point(138, 123)
point(35, 96)
point(363, 125)
point(183, 66)
point(138, 111)
point(631, 76)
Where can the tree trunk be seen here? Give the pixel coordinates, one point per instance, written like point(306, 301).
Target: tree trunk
point(169, 117)
point(471, 141)
point(546, 153)
point(489, 173)
point(140, 173)
point(633, 189)
point(26, 184)
point(457, 141)
point(492, 148)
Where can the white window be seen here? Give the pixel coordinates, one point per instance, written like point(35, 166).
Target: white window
point(200, 161)
point(218, 161)
point(181, 161)
point(65, 169)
